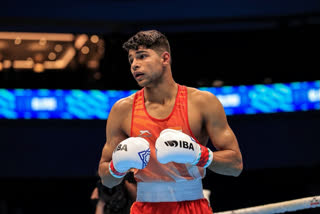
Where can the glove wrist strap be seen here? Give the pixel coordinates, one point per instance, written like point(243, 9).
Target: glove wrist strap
point(114, 172)
point(205, 157)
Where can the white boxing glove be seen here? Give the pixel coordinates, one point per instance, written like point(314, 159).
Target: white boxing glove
point(134, 152)
point(176, 146)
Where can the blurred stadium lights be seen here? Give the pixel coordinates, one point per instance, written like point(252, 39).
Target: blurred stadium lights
point(49, 51)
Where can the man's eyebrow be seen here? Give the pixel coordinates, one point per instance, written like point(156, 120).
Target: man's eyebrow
point(141, 52)
point(138, 52)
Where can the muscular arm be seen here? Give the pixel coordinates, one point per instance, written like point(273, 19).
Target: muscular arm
point(115, 135)
point(227, 160)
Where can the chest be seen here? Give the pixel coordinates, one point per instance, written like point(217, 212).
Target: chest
point(190, 117)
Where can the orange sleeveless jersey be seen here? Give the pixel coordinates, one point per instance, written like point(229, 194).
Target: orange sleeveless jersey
point(144, 125)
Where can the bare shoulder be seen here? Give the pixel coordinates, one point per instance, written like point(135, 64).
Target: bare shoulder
point(202, 98)
point(123, 106)
point(207, 104)
point(120, 117)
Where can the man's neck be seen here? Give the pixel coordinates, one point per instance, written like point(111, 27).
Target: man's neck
point(161, 93)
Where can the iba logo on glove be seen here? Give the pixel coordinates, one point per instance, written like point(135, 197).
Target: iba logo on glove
point(182, 144)
point(121, 147)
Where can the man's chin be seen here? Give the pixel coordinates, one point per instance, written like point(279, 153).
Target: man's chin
point(142, 84)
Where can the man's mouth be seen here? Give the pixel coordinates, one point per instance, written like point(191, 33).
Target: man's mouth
point(138, 75)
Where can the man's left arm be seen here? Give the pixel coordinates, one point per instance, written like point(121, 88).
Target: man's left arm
point(227, 160)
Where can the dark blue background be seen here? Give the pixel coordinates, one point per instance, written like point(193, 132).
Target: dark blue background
point(123, 10)
point(124, 16)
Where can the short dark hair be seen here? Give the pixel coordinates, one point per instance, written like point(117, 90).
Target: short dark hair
point(151, 39)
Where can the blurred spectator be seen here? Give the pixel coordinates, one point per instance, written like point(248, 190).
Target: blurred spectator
point(117, 200)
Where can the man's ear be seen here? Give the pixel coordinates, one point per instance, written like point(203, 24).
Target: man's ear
point(166, 57)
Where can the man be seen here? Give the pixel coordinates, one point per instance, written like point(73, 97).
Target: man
point(161, 132)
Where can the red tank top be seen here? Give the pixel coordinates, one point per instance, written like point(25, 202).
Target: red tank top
point(148, 127)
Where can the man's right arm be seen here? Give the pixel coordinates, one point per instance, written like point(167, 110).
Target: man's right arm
point(115, 135)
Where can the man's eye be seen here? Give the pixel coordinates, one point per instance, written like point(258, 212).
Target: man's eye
point(141, 56)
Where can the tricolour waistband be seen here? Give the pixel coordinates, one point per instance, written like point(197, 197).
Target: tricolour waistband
point(169, 191)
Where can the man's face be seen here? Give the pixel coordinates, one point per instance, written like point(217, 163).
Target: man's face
point(146, 66)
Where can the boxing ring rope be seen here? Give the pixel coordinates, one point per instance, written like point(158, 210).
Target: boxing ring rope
point(280, 207)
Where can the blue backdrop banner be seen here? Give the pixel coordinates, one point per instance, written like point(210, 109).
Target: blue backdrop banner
point(96, 104)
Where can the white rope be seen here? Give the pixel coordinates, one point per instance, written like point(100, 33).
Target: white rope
point(280, 207)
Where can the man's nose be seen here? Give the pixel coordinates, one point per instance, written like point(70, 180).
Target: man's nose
point(135, 66)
